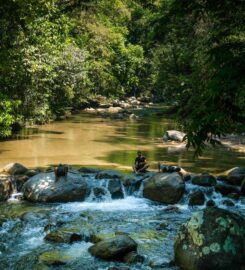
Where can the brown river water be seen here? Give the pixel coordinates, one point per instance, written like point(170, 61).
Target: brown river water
point(88, 140)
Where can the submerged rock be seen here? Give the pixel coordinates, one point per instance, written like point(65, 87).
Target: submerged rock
point(15, 169)
point(164, 188)
point(204, 179)
point(43, 188)
point(113, 248)
point(211, 239)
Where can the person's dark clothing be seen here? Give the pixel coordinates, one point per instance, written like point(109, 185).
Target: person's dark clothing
point(140, 162)
point(61, 170)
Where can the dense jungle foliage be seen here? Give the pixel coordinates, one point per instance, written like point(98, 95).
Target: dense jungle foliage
point(56, 54)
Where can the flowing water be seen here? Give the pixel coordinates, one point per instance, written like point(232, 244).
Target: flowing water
point(153, 226)
point(89, 140)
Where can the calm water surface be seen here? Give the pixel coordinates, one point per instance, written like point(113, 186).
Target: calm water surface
point(89, 140)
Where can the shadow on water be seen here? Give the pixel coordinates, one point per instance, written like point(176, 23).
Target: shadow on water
point(27, 133)
point(213, 160)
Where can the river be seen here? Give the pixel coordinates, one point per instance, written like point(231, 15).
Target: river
point(89, 140)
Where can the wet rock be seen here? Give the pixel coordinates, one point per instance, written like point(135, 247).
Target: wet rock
point(204, 179)
point(115, 188)
point(54, 258)
point(109, 174)
point(211, 239)
point(31, 173)
point(133, 257)
point(174, 135)
point(234, 196)
point(99, 192)
point(118, 268)
point(89, 170)
point(63, 236)
point(113, 248)
point(160, 263)
point(243, 187)
point(225, 189)
point(20, 181)
point(43, 188)
point(210, 203)
point(172, 209)
point(164, 188)
point(234, 176)
point(228, 203)
point(15, 169)
point(196, 198)
point(6, 187)
point(31, 216)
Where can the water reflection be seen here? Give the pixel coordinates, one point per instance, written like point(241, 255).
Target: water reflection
point(86, 139)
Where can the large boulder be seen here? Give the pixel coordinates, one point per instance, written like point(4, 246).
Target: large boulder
point(165, 188)
point(6, 187)
point(174, 135)
point(15, 169)
point(43, 188)
point(211, 239)
point(204, 179)
point(113, 248)
point(234, 176)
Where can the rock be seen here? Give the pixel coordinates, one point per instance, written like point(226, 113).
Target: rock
point(114, 109)
point(174, 135)
point(63, 236)
point(204, 179)
point(6, 187)
point(54, 258)
point(109, 174)
point(234, 196)
point(99, 192)
point(196, 198)
point(31, 173)
point(210, 203)
point(88, 170)
point(165, 188)
point(118, 268)
point(133, 257)
point(211, 239)
point(243, 187)
point(228, 203)
point(113, 248)
point(43, 188)
point(15, 168)
point(115, 188)
point(234, 176)
point(225, 189)
point(20, 181)
point(132, 116)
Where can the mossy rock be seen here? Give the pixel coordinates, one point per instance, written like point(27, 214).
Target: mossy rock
point(113, 248)
point(63, 236)
point(211, 239)
point(54, 258)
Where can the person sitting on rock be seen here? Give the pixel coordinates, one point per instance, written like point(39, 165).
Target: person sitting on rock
point(140, 164)
point(169, 169)
point(61, 170)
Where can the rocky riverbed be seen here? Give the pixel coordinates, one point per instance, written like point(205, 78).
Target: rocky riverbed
point(103, 219)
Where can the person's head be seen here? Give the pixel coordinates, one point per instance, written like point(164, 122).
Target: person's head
point(139, 153)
